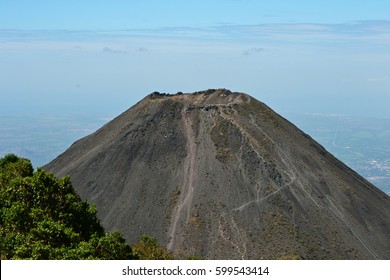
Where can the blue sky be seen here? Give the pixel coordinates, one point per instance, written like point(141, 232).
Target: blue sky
point(103, 56)
point(120, 14)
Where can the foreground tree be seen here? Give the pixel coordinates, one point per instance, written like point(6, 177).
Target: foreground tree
point(149, 249)
point(42, 217)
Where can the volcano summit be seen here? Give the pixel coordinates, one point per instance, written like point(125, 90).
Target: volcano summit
point(219, 175)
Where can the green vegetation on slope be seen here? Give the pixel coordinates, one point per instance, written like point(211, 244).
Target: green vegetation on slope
point(42, 217)
point(149, 249)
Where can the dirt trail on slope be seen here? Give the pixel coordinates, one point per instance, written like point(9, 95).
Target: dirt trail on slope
point(187, 191)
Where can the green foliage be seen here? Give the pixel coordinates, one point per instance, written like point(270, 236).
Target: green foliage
point(12, 167)
point(42, 217)
point(149, 249)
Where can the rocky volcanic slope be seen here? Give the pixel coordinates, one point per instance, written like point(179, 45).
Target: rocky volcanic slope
point(220, 175)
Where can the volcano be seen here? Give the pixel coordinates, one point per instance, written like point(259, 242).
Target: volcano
point(219, 175)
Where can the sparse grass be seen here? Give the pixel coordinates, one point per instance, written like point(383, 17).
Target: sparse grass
point(175, 196)
point(269, 189)
point(224, 154)
point(195, 221)
point(220, 137)
point(293, 256)
point(256, 108)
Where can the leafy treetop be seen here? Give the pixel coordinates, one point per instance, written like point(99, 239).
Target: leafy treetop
point(42, 217)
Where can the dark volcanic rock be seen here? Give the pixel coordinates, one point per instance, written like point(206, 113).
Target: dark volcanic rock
point(219, 175)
